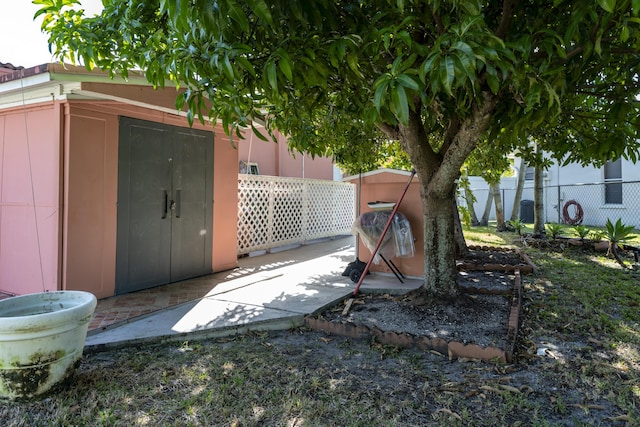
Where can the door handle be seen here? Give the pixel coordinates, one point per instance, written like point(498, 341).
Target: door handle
point(176, 203)
point(165, 204)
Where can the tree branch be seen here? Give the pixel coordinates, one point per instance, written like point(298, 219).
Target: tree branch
point(391, 132)
point(438, 21)
point(464, 141)
point(415, 142)
point(508, 9)
point(452, 130)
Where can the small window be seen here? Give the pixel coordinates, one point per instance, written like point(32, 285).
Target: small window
point(530, 173)
point(613, 182)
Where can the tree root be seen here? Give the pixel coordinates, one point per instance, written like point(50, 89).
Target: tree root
point(613, 251)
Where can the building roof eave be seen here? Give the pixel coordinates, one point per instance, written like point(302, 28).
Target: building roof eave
point(56, 81)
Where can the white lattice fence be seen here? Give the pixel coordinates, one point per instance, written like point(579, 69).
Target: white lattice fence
point(275, 211)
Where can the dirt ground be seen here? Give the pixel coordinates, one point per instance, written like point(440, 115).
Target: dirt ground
point(480, 317)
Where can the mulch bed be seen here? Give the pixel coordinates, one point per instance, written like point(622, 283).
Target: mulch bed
point(481, 325)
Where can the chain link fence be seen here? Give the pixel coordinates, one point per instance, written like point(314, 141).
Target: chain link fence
point(588, 204)
point(593, 204)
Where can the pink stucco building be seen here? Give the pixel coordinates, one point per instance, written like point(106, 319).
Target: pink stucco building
point(105, 188)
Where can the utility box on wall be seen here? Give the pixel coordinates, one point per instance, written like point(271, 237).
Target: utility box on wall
point(386, 185)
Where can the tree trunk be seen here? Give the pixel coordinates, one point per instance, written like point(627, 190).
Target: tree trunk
point(497, 198)
point(538, 201)
point(468, 197)
point(484, 221)
point(440, 272)
point(522, 172)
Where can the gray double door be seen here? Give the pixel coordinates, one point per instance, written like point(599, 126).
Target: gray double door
point(165, 198)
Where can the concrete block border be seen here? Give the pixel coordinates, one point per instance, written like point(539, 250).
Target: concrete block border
point(526, 267)
point(452, 349)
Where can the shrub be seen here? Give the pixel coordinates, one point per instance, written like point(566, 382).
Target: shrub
point(554, 229)
point(582, 231)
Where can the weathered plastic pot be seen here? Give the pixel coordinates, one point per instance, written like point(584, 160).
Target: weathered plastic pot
point(42, 336)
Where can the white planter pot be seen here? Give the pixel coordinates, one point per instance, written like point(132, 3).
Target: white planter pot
point(42, 336)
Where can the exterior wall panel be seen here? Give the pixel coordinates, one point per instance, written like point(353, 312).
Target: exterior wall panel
point(29, 169)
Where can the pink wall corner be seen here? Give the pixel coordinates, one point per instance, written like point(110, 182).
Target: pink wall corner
point(388, 186)
point(225, 202)
point(90, 221)
point(302, 165)
point(29, 237)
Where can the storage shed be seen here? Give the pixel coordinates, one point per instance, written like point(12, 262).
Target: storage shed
point(386, 185)
point(105, 188)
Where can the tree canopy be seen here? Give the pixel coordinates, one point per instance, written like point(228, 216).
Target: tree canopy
point(438, 76)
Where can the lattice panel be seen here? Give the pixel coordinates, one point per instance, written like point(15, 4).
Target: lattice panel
point(287, 211)
point(331, 209)
point(275, 211)
point(253, 214)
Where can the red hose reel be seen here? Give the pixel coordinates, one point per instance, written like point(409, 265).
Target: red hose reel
point(578, 214)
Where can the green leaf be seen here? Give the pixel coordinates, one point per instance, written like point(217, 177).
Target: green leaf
point(352, 61)
point(284, 63)
point(386, 41)
point(380, 87)
point(237, 15)
point(608, 5)
point(428, 66)
point(464, 47)
point(261, 9)
point(259, 134)
point(228, 68)
point(619, 232)
point(395, 67)
point(408, 82)
point(447, 74)
point(271, 75)
point(342, 49)
point(190, 117)
point(598, 46)
point(471, 7)
point(246, 64)
point(624, 34)
point(532, 97)
point(180, 101)
point(493, 82)
point(466, 64)
point(405, 37)
point(400, 104)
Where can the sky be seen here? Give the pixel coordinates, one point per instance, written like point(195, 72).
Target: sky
point(22, 43)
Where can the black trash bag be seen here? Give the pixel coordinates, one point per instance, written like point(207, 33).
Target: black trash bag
point(354, 265)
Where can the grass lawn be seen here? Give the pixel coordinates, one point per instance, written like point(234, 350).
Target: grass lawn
point(577, 364)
